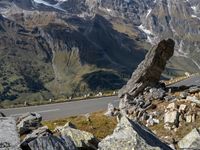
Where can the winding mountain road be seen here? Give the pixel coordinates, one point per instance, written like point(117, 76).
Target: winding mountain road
point(60, 110)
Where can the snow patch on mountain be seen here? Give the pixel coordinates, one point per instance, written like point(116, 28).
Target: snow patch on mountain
point(169, 6)
point(108, 10)
point(194, 16)
point(181, 50)
point(196, 63)
point(127, 1)
point(194, 8)
point(148, 12)
point(61, 0)
point(149, 34)
point(145, 30)
point(56, 6)
point(196, 12)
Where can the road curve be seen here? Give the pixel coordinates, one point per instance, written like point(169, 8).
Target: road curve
point(191, 81)
point(61, 110)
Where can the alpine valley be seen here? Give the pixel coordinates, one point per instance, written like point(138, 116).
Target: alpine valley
point(61, 48)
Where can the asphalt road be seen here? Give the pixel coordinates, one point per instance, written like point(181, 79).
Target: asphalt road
point(61, 110)
point(193, 80)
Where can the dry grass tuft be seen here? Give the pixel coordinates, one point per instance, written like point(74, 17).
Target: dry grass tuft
point(98, 124)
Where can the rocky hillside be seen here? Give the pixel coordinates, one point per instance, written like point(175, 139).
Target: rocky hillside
point(46, 53)
point(78, 46)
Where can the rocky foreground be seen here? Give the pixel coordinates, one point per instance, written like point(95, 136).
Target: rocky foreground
point(171, 109)
point(172, 114)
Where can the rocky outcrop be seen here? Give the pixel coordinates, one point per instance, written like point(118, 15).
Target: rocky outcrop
point(149, 71)
point(66, 137)
point(42, 131)
point(51, 143)
point(42, 138)
point(171, 116)
point(144, 87)
point(194, 89)
point(82, 139)
point(9, 138)
point(131, 135)
point(191, 140)
point(28, 122)
point(193, 99)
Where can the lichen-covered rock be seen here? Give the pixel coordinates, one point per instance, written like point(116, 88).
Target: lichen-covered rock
point(190, 118)
point(157, 93)
point(171, 117)
point(130, 135)
point(42, 131)
point(191, 140)
point(182, 108)
point(193, 99)
point(69, 124)
point(169, 98)
point(81, 139)
point(171, 107)
point(28, 122)
point(183, 95)
point(42, 138)
point(50, 143)
point(149, 71)
point(194, 89)
point(9, 138)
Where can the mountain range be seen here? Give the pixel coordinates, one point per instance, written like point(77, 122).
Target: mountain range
point(61, 48)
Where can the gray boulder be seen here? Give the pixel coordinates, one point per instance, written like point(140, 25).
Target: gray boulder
point(193, 99)
point(129, 135)
point(149, 71)
point(183, 95)
point(51, 143)
point(146, 104)
point(42, 131)
point(9, 138)
point(191, 140)
point(194, 89)
point(156, 93)
point(28, 122)
point(171, 117)
point(42, 138)
point(70, 125)
point(81, 139)
point(169, 97)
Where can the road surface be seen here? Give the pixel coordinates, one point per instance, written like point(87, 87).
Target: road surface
point(61, 110)
point(193, 80)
